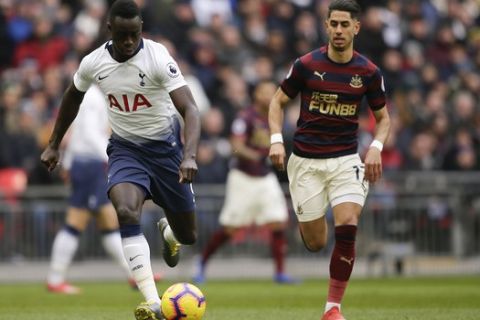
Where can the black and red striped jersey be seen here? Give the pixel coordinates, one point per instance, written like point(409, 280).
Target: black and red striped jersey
point(253, 127)
point(331, 95)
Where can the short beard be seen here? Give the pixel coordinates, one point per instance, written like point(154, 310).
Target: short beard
point(339, 49)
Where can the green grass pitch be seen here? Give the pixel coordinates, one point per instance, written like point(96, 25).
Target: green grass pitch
point(367, 299)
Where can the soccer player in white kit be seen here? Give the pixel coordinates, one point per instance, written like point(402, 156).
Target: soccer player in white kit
point(147, 159)
point(85, 162)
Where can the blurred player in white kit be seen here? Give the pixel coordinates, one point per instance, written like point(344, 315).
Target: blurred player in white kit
point(85, 168)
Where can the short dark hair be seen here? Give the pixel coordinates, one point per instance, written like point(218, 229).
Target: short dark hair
point(345, 5)
point(126, 9)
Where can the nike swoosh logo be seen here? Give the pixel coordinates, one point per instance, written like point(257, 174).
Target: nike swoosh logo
point(132, 258)
point(100, 78)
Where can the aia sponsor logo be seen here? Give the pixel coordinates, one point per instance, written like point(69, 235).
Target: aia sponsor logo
point(124, 104)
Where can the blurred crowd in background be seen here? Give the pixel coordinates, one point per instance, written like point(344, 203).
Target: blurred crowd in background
point(429, 53)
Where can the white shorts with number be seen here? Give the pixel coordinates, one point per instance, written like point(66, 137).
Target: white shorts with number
point(316, 183)
point(253, 200)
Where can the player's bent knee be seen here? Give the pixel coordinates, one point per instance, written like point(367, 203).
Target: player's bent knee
point(187, 238)
point(314, 246)
point(127, 215)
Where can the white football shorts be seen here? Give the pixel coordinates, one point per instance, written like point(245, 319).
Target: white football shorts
point(316, 183)
point(252, 200)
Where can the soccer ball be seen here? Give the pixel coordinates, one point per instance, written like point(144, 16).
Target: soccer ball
point(183, 301)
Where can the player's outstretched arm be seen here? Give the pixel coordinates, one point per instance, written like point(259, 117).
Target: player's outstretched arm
point(183, 100)
point(373, 158)
point(68, 111)
point(275, 121)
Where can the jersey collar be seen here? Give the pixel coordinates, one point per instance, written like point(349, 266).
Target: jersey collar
point(109, 47)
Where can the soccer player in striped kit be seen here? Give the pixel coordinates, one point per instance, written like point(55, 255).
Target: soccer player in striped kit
point(325, 168)
point(147, 159)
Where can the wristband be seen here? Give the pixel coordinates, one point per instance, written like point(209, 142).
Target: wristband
point(276, 138)
point(377, 144)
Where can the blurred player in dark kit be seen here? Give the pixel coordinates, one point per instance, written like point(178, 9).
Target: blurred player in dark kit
point(253, 192)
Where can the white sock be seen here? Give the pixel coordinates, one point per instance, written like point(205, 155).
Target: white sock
point(112, 242)
point(137, 254)
point(330, 305)
point(169, 236)
point(64, 247)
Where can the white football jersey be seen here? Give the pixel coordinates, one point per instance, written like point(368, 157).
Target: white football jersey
point(137, 90)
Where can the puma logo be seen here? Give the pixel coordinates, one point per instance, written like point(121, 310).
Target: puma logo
point(318, 74)
point(349, 261)
point(132, 258)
